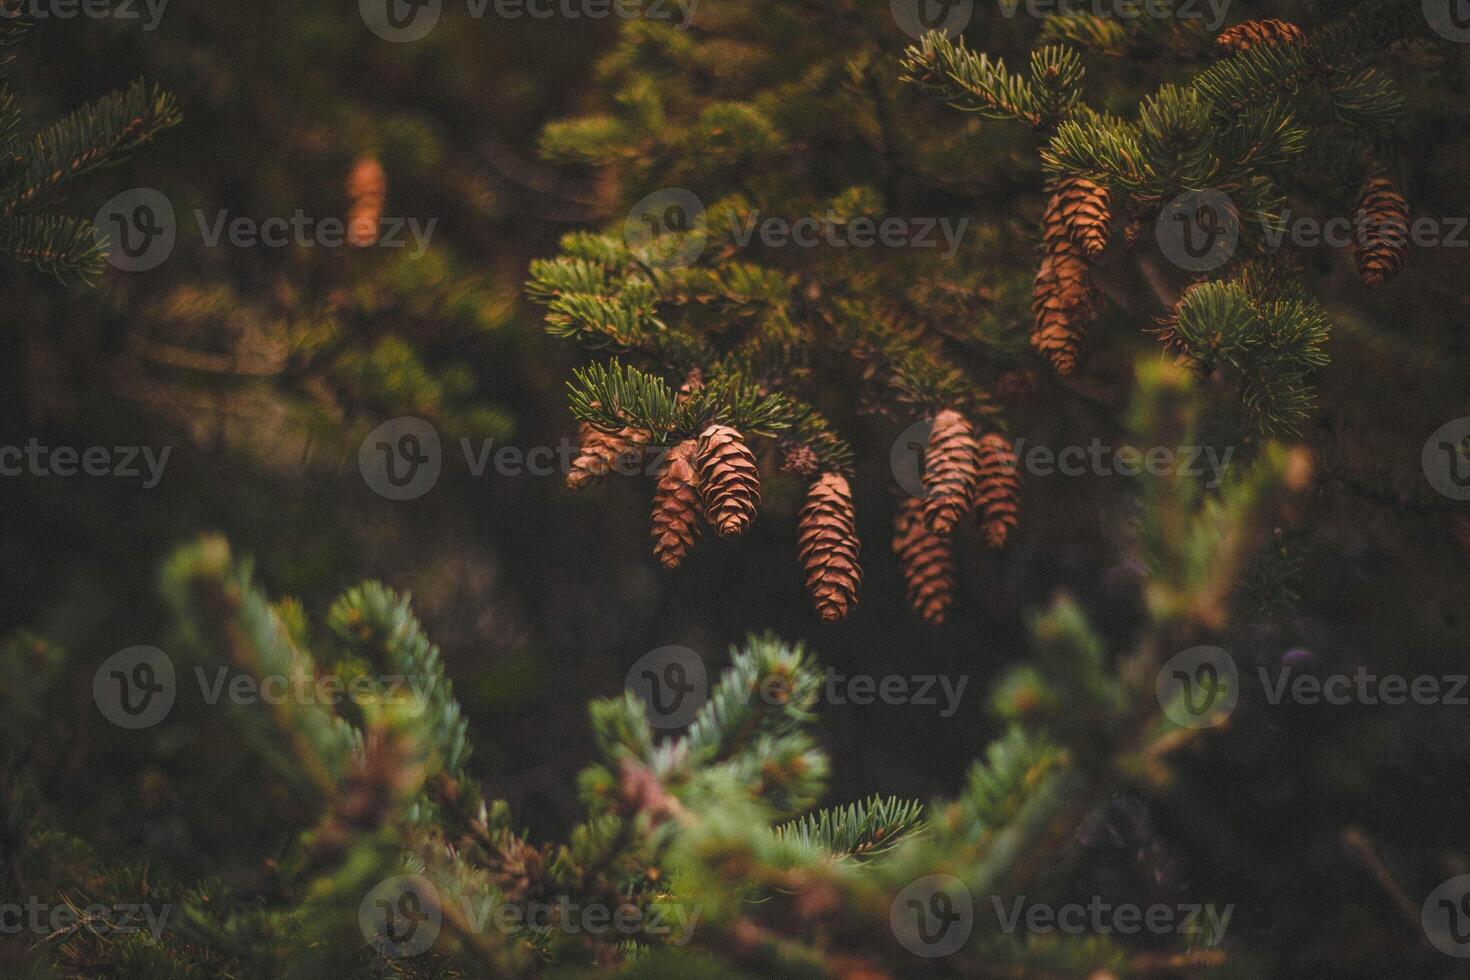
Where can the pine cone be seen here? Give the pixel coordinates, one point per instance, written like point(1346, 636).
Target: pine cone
point(1250, 33)
point(1061, 303)
point(995, 500)
point(827, 545)
point(1382, 223)
point(600, 451)
point(1078, 209)
point(951, 471)
point(928, 567)
point(367, 190)
point(728, 480)
point(676, 506)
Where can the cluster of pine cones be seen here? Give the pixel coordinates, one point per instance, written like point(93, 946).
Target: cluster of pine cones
point(963, 474)
point(714, 480)
point(1075, 230)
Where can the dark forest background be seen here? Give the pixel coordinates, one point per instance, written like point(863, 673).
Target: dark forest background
point(262, 369)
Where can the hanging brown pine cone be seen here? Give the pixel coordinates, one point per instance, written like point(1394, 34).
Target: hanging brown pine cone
point(676, 506)
point(995, 499)
point(1250, 33)
point(827, 545)
point(1382, 240)
point(367, 190)
point(951, 471)
point(928, 567)
point(728, 480)
point(600, 452)
point(1078, 209)
point(1062, 303)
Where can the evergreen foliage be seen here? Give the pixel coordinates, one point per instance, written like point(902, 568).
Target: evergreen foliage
point(397, 823)
point(685, 829)
point(34, 167)
point(691, 286)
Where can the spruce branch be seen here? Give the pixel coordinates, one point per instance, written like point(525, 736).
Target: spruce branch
point(57, 245)
point(1270, 339)
point(859, 830)
point(224, 620)
point(594, 140)
point(379, 625)
point(1106, 35)
point(93, 136)
point(1331, 58)
point(951, 73)
point(767, 691)
point(1056, 74)
point(613, 397)
point(15, 23)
